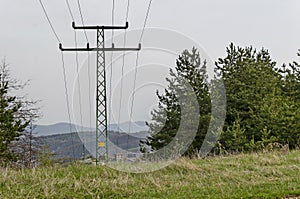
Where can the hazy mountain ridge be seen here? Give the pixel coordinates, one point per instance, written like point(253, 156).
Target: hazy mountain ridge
point(64, 128)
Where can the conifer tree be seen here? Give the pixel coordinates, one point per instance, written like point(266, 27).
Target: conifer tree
point(15, 113)
point(166, 119)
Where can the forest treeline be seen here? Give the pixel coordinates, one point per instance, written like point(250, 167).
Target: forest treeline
point(262, 102)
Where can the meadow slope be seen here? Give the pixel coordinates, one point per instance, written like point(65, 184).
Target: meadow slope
point(257, 175)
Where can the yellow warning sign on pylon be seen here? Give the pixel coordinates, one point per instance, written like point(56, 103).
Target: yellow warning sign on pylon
point(101, 144)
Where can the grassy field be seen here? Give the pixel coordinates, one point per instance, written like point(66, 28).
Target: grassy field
point(258, 175)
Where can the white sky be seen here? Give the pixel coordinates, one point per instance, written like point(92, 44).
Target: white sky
point(27, 43)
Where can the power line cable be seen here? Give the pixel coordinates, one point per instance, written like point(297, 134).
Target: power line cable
point(70, 11)
point(77, 65)
point(90, 92)
point(137, 61)
point(73, 19)
point(113, 19)
point(67, 100)
point(134, 86)
point(78, 80)
point(77, 70)
point(49, 21)
point(81, 16)
point(64, 75)
point(89, 67)
point(77, 62)
point(133, 96)
point(146, 20)
point(111, 63)
point(122, 69)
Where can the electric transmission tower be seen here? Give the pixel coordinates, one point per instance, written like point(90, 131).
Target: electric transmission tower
point(101, 98)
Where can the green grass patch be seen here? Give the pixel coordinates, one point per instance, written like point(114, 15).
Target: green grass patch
point(257, 175)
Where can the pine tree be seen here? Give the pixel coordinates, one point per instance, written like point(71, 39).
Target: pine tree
point(15, 113)
point(289, 116)
point(166, 119)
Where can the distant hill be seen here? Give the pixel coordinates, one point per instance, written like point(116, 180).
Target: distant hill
point(125, 127)
point(54, 129)
point(70, 145)
point(64, 128)
point(64, 146)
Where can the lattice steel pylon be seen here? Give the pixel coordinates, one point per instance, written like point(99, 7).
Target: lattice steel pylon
point(101, 98)
point(101, 114)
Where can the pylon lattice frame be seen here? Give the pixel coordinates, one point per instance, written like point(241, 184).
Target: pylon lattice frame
point(101, 99)
point(101, 126)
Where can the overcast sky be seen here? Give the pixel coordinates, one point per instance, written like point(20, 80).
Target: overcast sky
point(29, 46)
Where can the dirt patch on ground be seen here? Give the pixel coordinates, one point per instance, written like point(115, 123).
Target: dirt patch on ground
point(292, 197)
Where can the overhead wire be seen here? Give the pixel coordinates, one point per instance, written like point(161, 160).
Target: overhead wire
point(111, 64)
point(122, 68)
point(89, 66)
point(133, 96)
point(122, 72)
point(137, 62)
point(77, 62)
point(82, 20)
point(64, 76)
point(70, 11)
point(146, 20)
point(77, 70)
point(49, 21)
point(67, 101)
point(78, 80)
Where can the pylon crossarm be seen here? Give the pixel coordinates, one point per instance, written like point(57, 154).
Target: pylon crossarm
point(100, 49)
point(99, 27)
